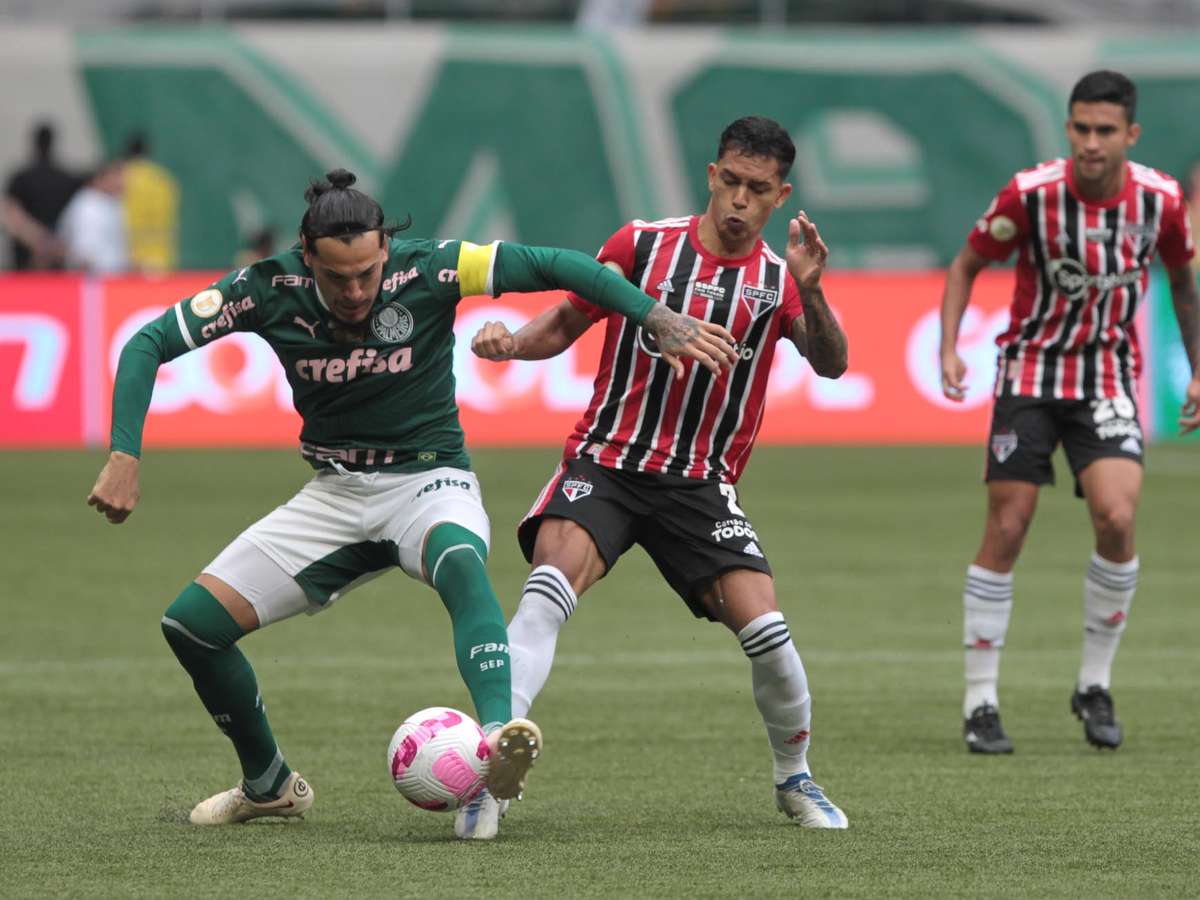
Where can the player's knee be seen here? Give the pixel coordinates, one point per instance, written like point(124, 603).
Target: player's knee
point(454, 555)
point(1010, 527)
point(568, 547)
point(197, 623)
point(458, 566)
point(1115, 522)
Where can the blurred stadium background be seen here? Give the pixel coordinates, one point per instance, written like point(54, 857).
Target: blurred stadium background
point(550, 121)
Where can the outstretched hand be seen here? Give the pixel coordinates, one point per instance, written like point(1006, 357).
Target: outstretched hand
point(806, 252)
point(116, 491)
point(680, 336)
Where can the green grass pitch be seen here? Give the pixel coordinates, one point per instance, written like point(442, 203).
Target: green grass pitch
point(656, 777)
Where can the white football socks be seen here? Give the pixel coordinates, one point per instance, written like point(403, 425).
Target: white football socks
point(780, 691)
point(1107, 595)
point(987, 605)
point(547, 601)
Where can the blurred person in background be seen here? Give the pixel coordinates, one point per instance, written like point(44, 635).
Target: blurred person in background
point(33, 201)
point(1086, 229)
point(92, 227)
point(1191, 191)
point(259, 245)
point(151, 209)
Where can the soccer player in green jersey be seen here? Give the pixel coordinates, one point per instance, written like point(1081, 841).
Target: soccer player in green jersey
point(362, 323)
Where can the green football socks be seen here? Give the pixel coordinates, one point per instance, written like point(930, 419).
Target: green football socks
point(202, 634)
point(454, 561)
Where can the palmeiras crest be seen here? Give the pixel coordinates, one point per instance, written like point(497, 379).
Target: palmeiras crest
point(393, 324)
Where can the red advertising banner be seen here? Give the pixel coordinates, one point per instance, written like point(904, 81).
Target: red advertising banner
point(60, 339)
point(42, 360)
point(890, 394)
point(231, 393)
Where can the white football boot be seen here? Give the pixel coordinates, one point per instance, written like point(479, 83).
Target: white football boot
point(806, 804)
point(514, 748)
point(479, 819)
point(231, 806)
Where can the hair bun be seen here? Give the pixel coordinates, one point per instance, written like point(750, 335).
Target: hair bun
point(340, 178)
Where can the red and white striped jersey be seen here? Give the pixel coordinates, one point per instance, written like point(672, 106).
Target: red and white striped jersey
point(1083, 269)
point(641, 418)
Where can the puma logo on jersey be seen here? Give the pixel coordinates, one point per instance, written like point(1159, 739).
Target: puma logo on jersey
point(311, 329)
point(241, 276)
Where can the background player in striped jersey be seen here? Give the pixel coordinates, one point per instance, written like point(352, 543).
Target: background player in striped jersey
point(1086, 229)
point(655, 458)
point(362, 323)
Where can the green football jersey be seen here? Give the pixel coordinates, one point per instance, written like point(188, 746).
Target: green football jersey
point(382, 398)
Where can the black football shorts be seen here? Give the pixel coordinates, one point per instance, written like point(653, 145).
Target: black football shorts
point(1026, 431)
point(692, 528)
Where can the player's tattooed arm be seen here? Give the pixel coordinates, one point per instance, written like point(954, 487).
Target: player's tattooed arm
point(1186, 300)
point(679, 335)
point(819, 336)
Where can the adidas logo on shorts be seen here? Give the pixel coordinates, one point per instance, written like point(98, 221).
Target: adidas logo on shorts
point(1131, 445)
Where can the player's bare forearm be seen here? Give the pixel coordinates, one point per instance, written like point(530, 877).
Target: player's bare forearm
point(547, 335)
point(824, 342)
point(1186, 299)
point(960, 278)
point(550, 333)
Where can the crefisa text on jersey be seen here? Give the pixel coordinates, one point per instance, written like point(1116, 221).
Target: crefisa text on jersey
point(229, 312)
point(360, 361)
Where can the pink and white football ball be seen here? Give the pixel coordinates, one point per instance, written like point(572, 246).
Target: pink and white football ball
point(438, 758)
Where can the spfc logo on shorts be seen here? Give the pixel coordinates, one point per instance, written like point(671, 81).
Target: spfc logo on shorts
point(1004, 443)
point(758, 300)
point(576, 488)
point(393, 324)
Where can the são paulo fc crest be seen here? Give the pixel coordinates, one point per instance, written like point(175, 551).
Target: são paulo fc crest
point(1004, 443)
point(393, 324)
point(759, 300)
point(576, 488)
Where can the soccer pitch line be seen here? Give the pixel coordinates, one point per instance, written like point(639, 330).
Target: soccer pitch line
point(642, 658)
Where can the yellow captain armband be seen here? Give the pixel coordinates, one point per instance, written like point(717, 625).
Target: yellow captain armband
point(476, 266)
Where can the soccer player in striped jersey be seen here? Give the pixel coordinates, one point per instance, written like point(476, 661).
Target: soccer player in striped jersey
point(1085, 229)
point(655, 458)
point(362, 323)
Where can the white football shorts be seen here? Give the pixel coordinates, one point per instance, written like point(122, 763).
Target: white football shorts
point(341, 530)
